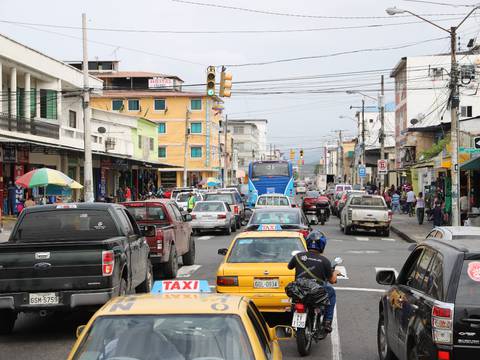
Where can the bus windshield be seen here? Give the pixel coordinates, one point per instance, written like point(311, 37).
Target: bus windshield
point(270, 169)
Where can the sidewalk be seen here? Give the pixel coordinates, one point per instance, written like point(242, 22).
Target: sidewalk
point(408, 228)
point(8, 224)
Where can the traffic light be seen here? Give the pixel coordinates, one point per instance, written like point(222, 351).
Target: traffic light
point(301, 154)
point(211, 81)
point(225, 84)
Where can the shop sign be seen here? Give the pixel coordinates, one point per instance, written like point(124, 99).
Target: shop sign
point(103, 182)
point(9, 154)
point(159, 83)
point(382, 166)
point(120, 164)
point(106, 163)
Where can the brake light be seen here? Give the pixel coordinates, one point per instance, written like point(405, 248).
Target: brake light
point(443, 355)
point(221, 216)
point(305, 233)
point(299, 307)
point(108, 262)
point(442, 324)
point(227, 281)
point(390, 215)
point(159, 239)
point(193, 216)
point(235, 209)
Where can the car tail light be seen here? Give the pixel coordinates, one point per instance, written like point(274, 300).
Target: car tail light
point(159, 239)
point(193, 216)
point(442, 323)
point(108, 262)
point(390, 215)
point(305, 233)
point(299, 307)
point(443, 355)
point(227, 281)
point(235, 209)
point(221, 216)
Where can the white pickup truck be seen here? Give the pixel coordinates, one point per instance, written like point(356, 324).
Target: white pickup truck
point(368, 212)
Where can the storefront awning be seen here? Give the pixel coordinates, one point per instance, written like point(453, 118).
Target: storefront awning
point(473, 164)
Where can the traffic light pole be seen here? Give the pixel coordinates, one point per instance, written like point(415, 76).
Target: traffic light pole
point(363, 141)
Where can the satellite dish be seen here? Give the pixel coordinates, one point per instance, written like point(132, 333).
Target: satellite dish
point(101, 130)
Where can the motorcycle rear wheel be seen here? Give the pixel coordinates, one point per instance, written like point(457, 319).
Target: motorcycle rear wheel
point(304, 338)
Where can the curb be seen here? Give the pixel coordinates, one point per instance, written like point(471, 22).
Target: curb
point(402, 234)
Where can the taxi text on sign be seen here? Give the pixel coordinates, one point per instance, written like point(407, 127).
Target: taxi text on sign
point(180, 286)
point(382, 166)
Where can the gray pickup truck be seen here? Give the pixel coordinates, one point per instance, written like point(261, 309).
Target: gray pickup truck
point(67, 256)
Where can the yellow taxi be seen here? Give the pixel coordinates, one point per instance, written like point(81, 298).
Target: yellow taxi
point(179, 320)
point(255, 266)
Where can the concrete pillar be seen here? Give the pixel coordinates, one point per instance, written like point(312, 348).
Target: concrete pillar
point(2, 97)
point(59, 99)
point(13, 92)
point(28, 89)
point(37, 94)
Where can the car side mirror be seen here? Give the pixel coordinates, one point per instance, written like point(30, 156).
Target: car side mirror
point(80, 330)
point(149, 231)
point(386, 277)
point(282, 332)
point(187, 217)
point(222, 251)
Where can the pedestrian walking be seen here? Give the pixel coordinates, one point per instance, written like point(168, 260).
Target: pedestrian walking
point(410, 202)
point(127, 193)
point(420, 208)
point(11, 198)
point(396, 202)
point(437, 215)
point(191, 202)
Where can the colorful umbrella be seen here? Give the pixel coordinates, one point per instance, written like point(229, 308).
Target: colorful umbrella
point(44, 177)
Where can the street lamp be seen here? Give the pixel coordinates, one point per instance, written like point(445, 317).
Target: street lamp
point(352, 92)
point(455, 173)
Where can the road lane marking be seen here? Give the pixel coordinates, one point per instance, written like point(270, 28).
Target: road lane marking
point(206, 237)
point(187, 271)
point(335, 338)
point(337, 240)
point(377, 269)
point(358, 238)
point(363, 251)
point(343, 271)
point(359, 289)
point(387, 239)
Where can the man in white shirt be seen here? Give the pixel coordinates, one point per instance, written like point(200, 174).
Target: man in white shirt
point(410, 202)
point(463, 208)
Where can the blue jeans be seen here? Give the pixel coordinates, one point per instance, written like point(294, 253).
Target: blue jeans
point(332, 296)
point(396, 208)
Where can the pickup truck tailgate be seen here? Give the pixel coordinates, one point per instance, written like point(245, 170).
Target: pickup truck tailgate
point(366, 214)
point(52, 266)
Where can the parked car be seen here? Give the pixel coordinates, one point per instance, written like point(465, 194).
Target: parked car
point(367, 212)
point(69, 256)
point(233, 199)
point(168, 232)
point(432, 309)
point(182, 198)
point(213, 215)
point(287, 218)
point(275, 200)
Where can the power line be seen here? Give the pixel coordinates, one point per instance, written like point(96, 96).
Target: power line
point(438, 3)
point(268, 12)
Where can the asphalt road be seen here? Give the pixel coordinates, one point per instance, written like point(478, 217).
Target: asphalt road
point(354, 335)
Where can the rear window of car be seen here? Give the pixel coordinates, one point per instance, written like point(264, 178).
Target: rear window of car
point(183, 197)
point(147, 213)
point(312, 194)
point(367, 201)
point(265, 250)
point(66, 224)
point(209, 207)
point(272, 201)
point(275, 217)
point(468, 291)
point(228, 198)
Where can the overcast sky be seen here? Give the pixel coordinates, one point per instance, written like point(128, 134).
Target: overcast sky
point(295, 120)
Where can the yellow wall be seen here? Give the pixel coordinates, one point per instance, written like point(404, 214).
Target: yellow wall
point(174, 117)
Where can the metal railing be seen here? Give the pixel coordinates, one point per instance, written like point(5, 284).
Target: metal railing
point(24, 125)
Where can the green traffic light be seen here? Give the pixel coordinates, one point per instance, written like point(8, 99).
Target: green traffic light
point(210, 92)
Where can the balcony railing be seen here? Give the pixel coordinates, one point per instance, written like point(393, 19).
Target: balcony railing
point(24, 125)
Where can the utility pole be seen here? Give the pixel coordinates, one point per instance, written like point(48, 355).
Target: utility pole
point(340, 169)
point(382, 130)
point(225, 154)
point(363, 139)
point(87, 131)
point(187, 118)
point(455, 171)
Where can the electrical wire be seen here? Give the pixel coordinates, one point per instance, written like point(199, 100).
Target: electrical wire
point(438, 3)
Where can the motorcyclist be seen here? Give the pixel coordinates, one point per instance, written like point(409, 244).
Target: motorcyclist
point(313, 265)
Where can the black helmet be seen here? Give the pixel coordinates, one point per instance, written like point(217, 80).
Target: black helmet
point(316, 240)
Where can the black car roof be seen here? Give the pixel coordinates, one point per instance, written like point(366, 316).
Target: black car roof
point(81, 206)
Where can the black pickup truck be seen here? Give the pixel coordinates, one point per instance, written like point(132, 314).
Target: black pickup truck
point(66, 256)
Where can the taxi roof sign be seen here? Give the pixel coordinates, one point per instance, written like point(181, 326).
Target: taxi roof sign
point(180, 286)
point(269, 227)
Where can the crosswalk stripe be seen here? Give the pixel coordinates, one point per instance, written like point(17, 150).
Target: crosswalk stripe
point(187, 271)
point(206, 237)
point(362, 238)
point(387, 239)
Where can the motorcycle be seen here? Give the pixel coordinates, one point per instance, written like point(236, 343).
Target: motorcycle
point(323, 211)
point(309, 301)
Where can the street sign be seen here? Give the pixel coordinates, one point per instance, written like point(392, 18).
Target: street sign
point(362, 171)
point(469, 150)
point(382, 166)
point(476, 142)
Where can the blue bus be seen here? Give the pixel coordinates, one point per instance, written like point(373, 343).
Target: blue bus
point(268, 177)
